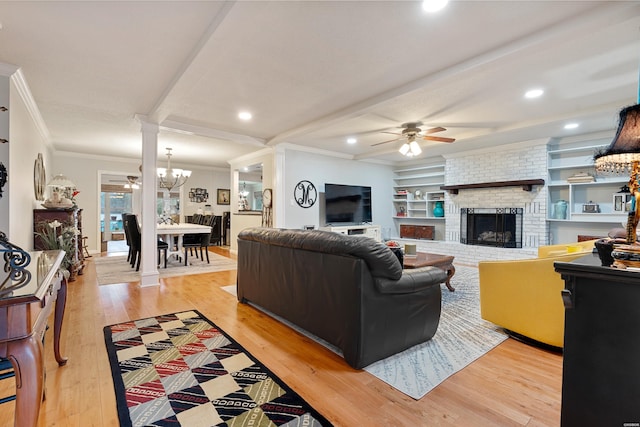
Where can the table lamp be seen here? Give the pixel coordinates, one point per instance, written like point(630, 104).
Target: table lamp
point(623, 157)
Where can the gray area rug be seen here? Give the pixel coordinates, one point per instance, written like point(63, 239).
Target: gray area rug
point(116, 269)
point(462, 337)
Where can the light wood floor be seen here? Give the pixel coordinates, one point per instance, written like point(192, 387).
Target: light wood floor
point(513, 385)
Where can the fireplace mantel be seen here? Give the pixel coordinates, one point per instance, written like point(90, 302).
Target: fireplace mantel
point(526, 184)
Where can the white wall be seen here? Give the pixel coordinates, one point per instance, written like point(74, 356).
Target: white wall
point(25, 142)
point(321, 169)
point(211, 180)
point(4, 154)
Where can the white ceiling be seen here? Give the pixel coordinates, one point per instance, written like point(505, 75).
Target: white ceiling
point(316, 72)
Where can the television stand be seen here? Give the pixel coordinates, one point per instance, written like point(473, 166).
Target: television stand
point(372, 231)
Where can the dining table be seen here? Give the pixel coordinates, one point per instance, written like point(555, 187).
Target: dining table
point(168, 231)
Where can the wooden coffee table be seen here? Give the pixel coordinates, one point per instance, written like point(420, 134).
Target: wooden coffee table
point(424, 259)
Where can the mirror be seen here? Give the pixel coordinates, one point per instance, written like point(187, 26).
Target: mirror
point(250, 188)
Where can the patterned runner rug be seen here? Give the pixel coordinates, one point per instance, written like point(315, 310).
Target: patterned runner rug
point(182, 370)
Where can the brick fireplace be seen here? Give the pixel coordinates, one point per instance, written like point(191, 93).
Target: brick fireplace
point(499, 227)
point(520, 161)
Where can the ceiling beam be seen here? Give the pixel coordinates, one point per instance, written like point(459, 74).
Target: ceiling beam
point(184, 128)
point(192, 69)
point(581, 24)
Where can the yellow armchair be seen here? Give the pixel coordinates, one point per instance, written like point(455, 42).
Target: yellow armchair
point(523, 296)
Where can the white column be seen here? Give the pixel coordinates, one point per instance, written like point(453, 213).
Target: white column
point(149, 271)
point(279, 192)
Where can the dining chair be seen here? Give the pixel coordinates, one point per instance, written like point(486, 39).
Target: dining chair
point(131, 223)
point(194, 240)
point(126, 234)
point(199, 241)
point(216, 230)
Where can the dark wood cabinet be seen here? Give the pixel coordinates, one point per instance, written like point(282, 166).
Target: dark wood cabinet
point(601, 363)
point(425, 232)
point(41, 217)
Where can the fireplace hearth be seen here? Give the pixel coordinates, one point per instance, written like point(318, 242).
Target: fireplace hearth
point(499, 227)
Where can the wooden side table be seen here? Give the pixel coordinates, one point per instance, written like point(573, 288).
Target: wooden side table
point(23, 321)
point(424, 259)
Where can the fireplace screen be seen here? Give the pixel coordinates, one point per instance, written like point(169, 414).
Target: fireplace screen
point(501, 227)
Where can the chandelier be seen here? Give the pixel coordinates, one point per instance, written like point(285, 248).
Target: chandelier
point(244, 192)
point(411, 147)
point(171, 178)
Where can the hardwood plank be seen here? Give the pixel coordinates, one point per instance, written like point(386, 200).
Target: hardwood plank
point(514, 384)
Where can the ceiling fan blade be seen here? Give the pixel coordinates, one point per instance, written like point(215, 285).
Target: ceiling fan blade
point(434, 130)
point(438, 138)
point(384, 142)
point(392, 133)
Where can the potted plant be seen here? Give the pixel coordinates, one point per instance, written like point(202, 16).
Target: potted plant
point(56, 235)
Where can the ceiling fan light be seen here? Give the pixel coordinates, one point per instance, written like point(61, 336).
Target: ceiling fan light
point(415, 148)
point(404, 149)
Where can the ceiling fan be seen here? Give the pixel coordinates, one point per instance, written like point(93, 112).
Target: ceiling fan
point(410, 132)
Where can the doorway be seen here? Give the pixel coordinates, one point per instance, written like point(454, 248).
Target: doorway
point(116, 197)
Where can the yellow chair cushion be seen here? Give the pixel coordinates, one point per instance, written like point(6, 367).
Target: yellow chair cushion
point(523, 296)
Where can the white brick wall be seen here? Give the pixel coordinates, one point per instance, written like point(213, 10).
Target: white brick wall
point(521, 162)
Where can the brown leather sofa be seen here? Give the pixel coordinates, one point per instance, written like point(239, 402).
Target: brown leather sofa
point(348, 290)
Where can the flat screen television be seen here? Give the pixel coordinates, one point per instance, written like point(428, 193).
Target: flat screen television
point(347, 204)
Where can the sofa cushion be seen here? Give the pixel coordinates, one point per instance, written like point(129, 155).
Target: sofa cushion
point(378, 257)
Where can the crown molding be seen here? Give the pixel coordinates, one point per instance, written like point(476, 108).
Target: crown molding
point(7, 70)
point(25, 94)
point(289, 146)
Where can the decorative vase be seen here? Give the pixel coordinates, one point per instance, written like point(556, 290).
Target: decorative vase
point(560, 209)
point(438, 210)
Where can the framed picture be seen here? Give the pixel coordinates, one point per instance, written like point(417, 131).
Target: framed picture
point(224, 196)
point(199, 195)
point(621, 202)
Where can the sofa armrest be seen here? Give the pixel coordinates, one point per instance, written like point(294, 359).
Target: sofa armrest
point(412, 280)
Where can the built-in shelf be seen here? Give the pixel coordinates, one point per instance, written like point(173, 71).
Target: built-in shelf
point(526, 184)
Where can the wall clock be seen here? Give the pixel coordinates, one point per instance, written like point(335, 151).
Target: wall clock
point(267, 198)
point(39, 178)
point(267, 202)
point(305, 194)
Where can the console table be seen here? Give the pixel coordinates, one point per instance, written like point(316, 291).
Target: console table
point(67, 216)
point(23, 320)
point(372, 231)
point(601, 362)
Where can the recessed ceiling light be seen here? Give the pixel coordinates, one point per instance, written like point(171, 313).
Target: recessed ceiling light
point(245, 115)
point(534, 93)
point(571, 125)
point(351, 140)
point(431, 6)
